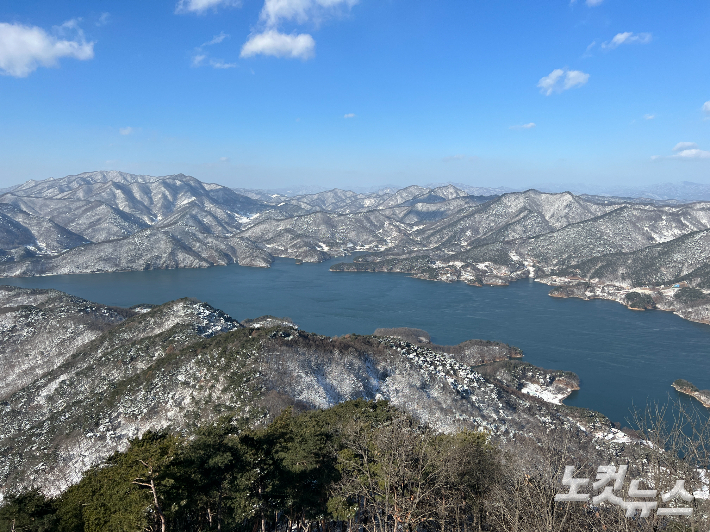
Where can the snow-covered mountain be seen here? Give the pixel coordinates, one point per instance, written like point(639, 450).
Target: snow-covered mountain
point(116, 373)
point(111, 221)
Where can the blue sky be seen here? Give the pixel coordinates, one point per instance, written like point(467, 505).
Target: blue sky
point(272, 93)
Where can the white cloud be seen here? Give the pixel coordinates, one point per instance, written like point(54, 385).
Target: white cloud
point(649, 117)
point(216, 39)
point(523, 126)
point(548, 83)
point(349, 115)
point(25, 48)
point(627, 38)
point(274, 11)
point(219, 64)
point(277, 44)
point(694, 153)
point(706, 107)
point(271, 41)
point(224, 159)
point(125, 130)
point(561, 80)
point(200, 6)
point(198, 59)
point(686, 150)
point(682, 146)
point(574, 78)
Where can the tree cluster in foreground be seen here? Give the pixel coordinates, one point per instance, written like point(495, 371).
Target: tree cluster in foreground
point(359, 466)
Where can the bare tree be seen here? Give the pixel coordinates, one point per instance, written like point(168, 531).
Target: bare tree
point(149, 483)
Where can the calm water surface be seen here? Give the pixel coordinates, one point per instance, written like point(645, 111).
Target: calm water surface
point(623, 358)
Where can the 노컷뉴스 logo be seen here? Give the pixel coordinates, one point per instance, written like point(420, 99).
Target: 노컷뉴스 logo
point(610, 480)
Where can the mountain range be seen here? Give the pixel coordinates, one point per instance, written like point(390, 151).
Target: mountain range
point(113, 221)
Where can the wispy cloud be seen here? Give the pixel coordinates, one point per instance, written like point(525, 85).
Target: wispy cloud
point(561, 80)
point(301, 11)
point(706, 108)
point(687, 151)
point(200, 6)
point(218, 63)
point(649, 117)
point(270, 40)
point(23, 49)
point(277, 44)
point(216, 39)
point(103, 19)
point(694, 153)
point(594, 3)
point(125, 130)
point(627, 38)
point(529, 125)
point(201, 57)
point(349, 115)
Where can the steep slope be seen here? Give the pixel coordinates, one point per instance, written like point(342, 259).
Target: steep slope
point(684, 258)
point(152, 248)
point(94, 220)
point(626, 229)
point(22, 229)
point(549, 212)
point(317, 236)
point(41, 329)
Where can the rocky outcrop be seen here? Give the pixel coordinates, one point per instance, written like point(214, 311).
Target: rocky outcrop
point(408, 334)
point(550, 385)
point(268, 321)
point(690, 389)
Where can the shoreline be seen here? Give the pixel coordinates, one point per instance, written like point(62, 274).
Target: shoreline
point(689, 389)
point(662, 297)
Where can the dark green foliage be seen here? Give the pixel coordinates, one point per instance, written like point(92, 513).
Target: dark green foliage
point(639, 301)
point(28, 512)
point(114, 497)
point(689, 295)
point(302, 469)
point(361, 465)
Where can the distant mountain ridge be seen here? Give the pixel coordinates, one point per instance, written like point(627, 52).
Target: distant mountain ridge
point(685, 191)
point(113, 221)
point(109, 220)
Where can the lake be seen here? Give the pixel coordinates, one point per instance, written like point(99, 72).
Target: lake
point(623, 358)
